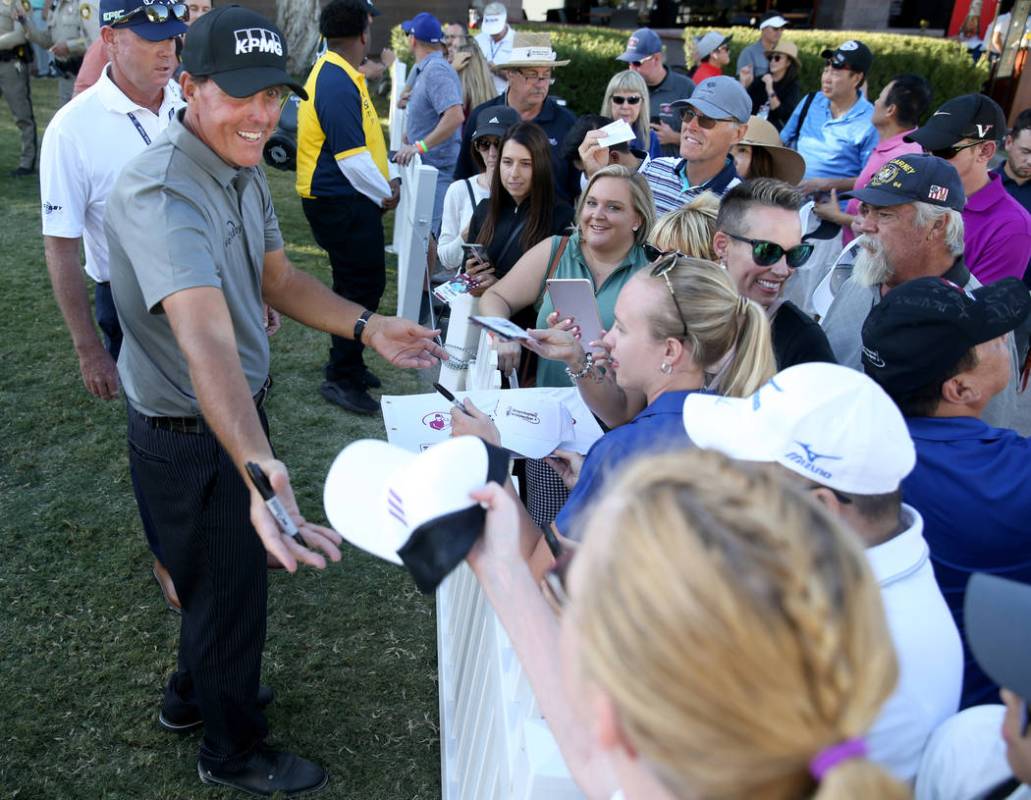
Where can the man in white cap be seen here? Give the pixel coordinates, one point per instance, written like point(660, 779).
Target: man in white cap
point(495, 39)
point(751, 61)
point(841, 437)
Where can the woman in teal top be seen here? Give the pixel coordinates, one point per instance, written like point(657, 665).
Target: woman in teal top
point(614, 217)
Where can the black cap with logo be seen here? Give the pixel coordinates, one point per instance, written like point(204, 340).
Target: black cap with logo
point(495, 121)
point(913, 178)
point(239, 50)
point(920, 330)
point(852, 54)
point(969, 116)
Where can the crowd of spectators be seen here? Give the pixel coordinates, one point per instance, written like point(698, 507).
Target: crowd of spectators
point(815, 316)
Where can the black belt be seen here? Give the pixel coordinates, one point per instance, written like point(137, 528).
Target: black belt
point(197, 424)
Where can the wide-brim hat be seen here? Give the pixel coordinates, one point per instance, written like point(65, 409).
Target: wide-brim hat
point(788, 48)
point(788, 164)
point(413, 508)
point(532, 50)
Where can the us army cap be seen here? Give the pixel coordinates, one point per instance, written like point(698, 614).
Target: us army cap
point(239, 50)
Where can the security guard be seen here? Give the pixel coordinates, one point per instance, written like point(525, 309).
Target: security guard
point(72, 26)
point(15, 55)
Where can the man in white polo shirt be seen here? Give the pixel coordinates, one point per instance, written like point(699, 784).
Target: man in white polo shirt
point(495, 39)
point(84, 149)
point(840, 435)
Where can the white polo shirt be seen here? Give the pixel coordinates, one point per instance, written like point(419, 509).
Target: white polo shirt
point(497, 53)
point(927, 644)
point(84, 148)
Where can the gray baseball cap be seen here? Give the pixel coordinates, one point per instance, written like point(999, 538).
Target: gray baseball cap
point(1001, 646)
point(721, 97)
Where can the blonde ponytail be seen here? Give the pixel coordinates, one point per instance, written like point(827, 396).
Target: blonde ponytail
point(859, 779)
point(753, 362)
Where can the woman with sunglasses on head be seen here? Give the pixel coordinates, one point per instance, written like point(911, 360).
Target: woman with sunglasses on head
point(626, 98)
point(775, 95)
point(465, 194)
point(522, 210)
point(756, 678)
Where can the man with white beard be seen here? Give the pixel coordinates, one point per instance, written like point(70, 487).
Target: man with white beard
point(911, 227)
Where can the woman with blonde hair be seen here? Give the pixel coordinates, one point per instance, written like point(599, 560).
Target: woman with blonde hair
point(679, 327)
point(474, 73)
point(626, 98)
point(689, 229)
point(757, 677)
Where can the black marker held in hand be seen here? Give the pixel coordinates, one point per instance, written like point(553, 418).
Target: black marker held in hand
point(275, 507)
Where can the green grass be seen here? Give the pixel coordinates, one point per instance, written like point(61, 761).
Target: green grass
point(85, 641)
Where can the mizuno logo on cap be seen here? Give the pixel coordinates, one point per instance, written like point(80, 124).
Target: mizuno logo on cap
point(262, 40)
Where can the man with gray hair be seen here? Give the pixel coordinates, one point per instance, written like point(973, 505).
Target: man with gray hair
point(911, 226)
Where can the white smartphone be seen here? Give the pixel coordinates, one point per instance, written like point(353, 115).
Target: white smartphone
point(504, 328)
point(574, 298)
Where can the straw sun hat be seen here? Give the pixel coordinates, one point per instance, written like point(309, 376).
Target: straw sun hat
point(532, 50)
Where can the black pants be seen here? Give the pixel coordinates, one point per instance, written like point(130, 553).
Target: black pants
point(351, 232)
point(200, 509)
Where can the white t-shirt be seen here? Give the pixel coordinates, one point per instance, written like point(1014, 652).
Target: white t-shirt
point(458, 210)
point(497, 53)
point(85, 147)
point(966, 758)
point(927, 645)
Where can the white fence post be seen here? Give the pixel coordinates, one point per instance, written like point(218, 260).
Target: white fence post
point(412, 222)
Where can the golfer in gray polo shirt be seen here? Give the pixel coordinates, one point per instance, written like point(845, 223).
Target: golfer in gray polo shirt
point(195, 251)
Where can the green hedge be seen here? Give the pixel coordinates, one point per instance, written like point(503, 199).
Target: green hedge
point(592, 53)
point(943, 62)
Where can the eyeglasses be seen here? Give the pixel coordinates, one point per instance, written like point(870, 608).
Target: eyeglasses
point(664, 262)
point(708, 123)
point(766, 254)
point(485, 143)
point(949, 153)
point(534, 77)
point(642, 61)
point(631, 100)
point(156, 13)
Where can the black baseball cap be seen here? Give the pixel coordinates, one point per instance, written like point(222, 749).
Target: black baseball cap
point(852, 54)
point(373, 11)
point(913, 178)
point(239, 50)
point(969, 116)
point(495, 121)
point(1001, 649)
point(921, 329)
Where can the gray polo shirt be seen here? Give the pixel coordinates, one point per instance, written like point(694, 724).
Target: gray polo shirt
point(179, 217)
point(754, 56)
point(675, 86)
point(437, 88)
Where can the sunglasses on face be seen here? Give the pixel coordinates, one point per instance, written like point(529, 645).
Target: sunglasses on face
point(777, 57)
point(156, 13)
point(708, 123)
point(766, 254)
point(664, 262)
point(642, 61)
point(949, 153)
point(632, 100)
point(485, 144)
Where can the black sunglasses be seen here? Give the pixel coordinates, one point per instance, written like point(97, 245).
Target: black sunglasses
point(664, 262)
point(949, 153)
point(485, 143)
point(156, 13)
point(766, 254)
point(642, 61)
point(619, 99)
point(688, 114)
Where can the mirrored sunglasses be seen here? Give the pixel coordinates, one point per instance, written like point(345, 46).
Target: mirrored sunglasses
point(156, 13)
point(766, 254)
point(632, 100)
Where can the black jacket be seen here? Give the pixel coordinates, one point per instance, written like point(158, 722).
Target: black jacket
point(788, 92)
point(507, 248)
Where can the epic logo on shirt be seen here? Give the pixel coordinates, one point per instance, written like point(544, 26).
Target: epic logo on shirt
point(261, 40)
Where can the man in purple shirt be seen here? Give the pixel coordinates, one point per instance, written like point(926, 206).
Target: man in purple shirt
point(965, 131)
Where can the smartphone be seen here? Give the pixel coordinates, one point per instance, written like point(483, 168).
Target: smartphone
point(504, 328)
point(476, 251)
point(655, 119)
point(574, 298)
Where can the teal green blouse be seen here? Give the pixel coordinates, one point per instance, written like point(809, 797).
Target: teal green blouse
point(573, 265)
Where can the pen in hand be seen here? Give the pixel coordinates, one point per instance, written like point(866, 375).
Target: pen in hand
point(450, 397)
point(273, 503)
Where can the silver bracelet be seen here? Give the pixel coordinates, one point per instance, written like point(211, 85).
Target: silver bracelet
point(584, 370)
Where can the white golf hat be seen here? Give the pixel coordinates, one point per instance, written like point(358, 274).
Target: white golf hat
point(828, 423)
point(494, 18)
point(533, 426)
point(413, 508)
point(775, 21)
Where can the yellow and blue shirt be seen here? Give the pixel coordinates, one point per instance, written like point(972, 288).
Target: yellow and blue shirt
point(337, 121)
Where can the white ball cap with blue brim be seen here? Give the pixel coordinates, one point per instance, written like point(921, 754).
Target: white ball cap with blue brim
point(825, 422)
point(413, 508)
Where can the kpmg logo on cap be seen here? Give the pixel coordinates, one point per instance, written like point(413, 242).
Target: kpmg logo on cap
point(261, 40)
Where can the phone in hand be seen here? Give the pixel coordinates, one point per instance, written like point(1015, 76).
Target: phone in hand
point(476, 251)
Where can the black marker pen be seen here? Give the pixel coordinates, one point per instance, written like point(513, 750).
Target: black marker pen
point(282, 517)
point(450, 397)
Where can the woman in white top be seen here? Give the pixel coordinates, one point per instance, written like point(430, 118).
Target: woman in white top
point(463, 195)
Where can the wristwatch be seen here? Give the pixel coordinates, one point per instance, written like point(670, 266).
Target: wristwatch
point(359, 326)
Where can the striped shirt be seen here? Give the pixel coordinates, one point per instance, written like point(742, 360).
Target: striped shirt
point(667, 178)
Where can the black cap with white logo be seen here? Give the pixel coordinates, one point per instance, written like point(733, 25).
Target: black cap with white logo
point(495, 121)
point(852, 54)
point(969, 116)
point(239, 50)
